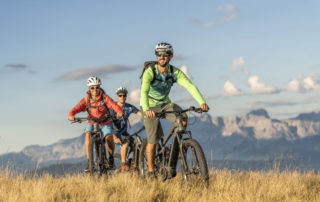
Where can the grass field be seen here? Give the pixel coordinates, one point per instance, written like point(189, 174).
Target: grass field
point(224, 185)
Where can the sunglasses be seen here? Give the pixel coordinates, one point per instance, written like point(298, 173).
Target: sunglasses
point(162, 54)
point(122, 95)
point(94, 88)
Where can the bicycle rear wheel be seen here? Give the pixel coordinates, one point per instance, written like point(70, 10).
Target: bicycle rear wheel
point(195, 169)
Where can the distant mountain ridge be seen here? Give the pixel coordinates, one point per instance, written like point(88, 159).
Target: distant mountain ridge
point(313, 116)
point(254, 137)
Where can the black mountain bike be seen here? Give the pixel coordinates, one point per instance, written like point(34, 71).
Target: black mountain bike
point(193, 164)
point(98, 161)
point(132, 158)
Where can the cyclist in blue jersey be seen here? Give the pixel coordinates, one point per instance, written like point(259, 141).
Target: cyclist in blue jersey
point(120, 125)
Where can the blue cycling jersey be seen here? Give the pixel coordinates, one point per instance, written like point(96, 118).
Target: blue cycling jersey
point(120, 126)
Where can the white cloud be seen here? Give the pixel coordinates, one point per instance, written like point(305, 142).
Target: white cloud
point(134, 96)
point(295, 86)
point(238, 63)
point(229, 8)
point(184, 69)
point(230, 11)
point(311, 83)
point(258, 87)
point(230, 89)
point(308, 83)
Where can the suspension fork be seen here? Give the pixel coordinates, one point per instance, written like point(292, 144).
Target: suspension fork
point(136, 149)
point(183, 159)
point(193, 150)
point(100, 153)
point(99, 145)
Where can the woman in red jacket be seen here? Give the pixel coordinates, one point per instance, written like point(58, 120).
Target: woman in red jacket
point(97, 103)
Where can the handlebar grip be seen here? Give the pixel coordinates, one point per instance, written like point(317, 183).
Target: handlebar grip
point(76, 121)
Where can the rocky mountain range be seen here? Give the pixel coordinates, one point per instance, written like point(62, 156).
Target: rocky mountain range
point(252, 141)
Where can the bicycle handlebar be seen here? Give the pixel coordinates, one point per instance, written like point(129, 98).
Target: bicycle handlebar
point(99, 120)
point(178, 112)
point(134, 134)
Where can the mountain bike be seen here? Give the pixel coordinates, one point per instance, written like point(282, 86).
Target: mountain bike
point(193, 163)
point(132, 157)
point(98, 161)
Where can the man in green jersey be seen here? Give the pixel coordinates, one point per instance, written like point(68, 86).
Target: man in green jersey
point(157, 81)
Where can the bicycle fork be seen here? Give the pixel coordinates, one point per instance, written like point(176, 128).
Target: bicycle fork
point(184, 165)
point(176, 149)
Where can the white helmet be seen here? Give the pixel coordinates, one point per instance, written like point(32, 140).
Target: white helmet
point(93, 81)
point(122, 90)
point(163, 46)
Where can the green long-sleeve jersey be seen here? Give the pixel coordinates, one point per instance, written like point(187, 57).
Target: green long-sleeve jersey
point(158, 92)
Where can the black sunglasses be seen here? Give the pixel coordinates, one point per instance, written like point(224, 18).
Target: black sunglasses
point(95, 88)
point(122, 95)
point(162, 54)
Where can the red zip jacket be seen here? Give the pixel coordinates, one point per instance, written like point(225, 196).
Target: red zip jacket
point(94, 110)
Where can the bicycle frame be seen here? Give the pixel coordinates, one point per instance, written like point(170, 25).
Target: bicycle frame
point(176, 132)
point(97, 144)
point(167, 157)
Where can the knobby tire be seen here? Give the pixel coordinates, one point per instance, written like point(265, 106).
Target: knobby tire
point(196, 170)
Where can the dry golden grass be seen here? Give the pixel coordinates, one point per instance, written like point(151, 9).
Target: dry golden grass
point(224, 186)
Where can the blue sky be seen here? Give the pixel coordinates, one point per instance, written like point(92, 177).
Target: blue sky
point(242, 55)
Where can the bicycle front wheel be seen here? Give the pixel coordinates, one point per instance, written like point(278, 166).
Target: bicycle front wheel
point(143, 163)
point(195, 168)
point(93, 155)
point(117, 161)
point(135, 157)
